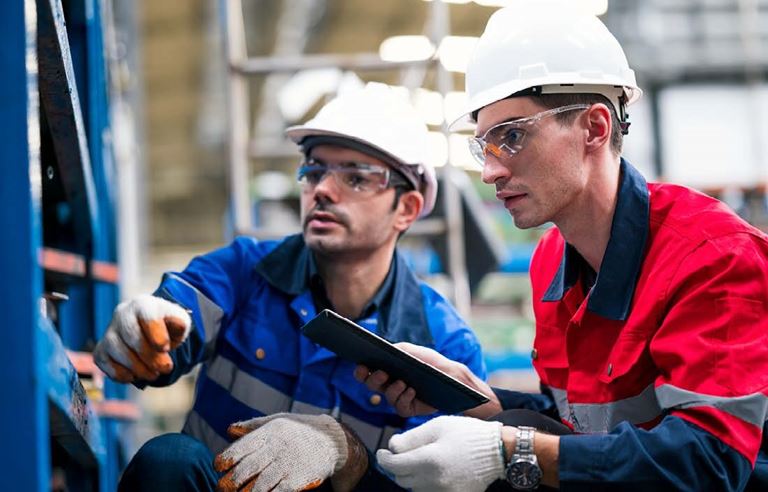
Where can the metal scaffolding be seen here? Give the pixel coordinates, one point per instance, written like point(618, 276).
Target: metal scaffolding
point(288, 59)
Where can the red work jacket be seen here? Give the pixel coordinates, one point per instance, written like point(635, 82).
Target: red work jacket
point(676, 322)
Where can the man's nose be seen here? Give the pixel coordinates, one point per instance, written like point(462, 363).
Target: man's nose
point(493, 169)
point(327, 189)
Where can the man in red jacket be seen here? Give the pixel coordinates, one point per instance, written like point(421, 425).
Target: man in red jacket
point(651, 300)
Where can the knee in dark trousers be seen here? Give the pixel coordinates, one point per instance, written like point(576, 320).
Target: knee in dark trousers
point(523, 417)
point(171, 462)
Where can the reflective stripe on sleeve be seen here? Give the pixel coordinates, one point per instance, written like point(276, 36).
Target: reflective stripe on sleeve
point(602, 417)
point(652, 402)
point(210, 313)
point(749, 408)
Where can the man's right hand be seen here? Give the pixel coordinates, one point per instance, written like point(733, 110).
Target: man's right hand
point(139, 337)
point(404, 398)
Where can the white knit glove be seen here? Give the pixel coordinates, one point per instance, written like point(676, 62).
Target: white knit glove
point(446, 454)
point(282, 452)
point(139, 337)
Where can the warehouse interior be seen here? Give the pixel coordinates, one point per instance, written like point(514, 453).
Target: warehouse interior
point(143, 133)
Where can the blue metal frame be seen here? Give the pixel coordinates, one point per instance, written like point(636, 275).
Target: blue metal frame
point(46, 66)
point(23, 417)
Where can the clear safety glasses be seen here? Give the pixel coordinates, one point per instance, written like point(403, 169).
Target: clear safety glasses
point(507, 138)
point(359, 177)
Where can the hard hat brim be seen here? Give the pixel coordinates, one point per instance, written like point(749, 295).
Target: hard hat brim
point(298, 133)
point(465, 122)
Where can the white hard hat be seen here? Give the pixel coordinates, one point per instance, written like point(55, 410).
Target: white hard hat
point(380, 119)
point(549, 47)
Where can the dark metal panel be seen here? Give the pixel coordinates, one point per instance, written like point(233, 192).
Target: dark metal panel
point(73, 424)
point(61, 104)
point(487, 252)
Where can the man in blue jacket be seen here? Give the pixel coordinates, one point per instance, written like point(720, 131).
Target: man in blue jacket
point(294, 408)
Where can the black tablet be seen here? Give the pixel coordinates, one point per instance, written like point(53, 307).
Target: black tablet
point(351, 341)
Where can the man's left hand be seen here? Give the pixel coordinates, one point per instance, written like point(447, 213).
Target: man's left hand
point(446, 454)
point(283, 452)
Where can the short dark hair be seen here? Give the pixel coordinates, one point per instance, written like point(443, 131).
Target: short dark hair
point(550, 101)
point(400, 183)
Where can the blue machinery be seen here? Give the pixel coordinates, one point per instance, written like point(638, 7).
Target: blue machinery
point(58, 252)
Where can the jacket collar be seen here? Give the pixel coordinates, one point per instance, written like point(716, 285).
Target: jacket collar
point(290, 266)
point(611, 296)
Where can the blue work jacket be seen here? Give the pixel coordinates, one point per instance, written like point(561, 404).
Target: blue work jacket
point(248, 302)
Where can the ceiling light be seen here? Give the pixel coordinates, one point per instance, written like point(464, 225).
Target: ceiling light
point(452, 1)
point(406, 48)
point(302, 91)
point(454, 52)
point(596, 7)
point(429, 104)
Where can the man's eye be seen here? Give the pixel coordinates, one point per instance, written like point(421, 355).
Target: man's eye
point(512, 136)
point(357, 180)
point(313, 176)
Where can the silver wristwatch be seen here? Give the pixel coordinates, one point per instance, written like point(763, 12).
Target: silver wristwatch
point(523, 471)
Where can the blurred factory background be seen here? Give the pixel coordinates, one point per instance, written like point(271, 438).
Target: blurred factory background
point(196, 95)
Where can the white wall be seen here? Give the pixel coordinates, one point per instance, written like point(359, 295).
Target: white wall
point(715, 136)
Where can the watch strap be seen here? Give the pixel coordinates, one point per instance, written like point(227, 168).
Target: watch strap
point(524, 441)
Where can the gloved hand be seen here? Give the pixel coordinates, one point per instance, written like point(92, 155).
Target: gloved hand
point(139, 337)
point(282, 452)
point(446, 454)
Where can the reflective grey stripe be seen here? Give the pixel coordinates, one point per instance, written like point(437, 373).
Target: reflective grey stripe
point(561, 400)
point(602, 417)
point(307, 409)
point(368, 433)
point(371, 435)
point(246, 388)
point(749, 408)
point(210, 313)
point(198, 428)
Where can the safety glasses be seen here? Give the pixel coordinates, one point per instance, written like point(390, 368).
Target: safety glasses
point(359, 177)
point(507, 138)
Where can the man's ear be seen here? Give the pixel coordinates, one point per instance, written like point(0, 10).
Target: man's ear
point(408, 209)
point(598, 121)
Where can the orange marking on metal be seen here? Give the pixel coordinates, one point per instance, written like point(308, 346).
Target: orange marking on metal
point(117, 409)
point(83, 362)
point(105, 271)
point(62, 262)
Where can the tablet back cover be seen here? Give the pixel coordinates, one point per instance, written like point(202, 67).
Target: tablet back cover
point(351, 341)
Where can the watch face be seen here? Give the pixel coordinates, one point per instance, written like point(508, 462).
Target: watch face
point(524, 475)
